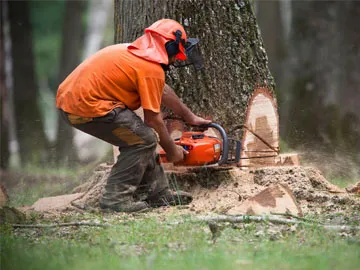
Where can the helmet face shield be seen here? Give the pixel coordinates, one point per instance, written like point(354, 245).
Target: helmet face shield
point(193, 55)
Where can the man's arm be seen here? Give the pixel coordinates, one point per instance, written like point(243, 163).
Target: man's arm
point(174, 153)
point(171, 101)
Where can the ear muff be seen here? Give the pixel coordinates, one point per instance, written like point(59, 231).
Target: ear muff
point(172, 47)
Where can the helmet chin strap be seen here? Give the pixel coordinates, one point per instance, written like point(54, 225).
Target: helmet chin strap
point(165, 67)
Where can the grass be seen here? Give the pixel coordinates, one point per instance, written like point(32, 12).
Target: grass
point(31, 183)
point(342, 181)
point(155, 242)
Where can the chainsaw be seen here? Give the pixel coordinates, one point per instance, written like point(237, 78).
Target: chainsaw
point(206, 150)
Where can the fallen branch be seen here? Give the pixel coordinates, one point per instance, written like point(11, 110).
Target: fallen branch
point(90, 224)
point(296, 217)
point(273, 219)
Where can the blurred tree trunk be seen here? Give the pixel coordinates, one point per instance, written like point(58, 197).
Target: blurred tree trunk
point(30, 132)
point(4, 119)
point(65, 151)
point(99, 12)
point(234, 54)
point(325, 82)
point(269, 18)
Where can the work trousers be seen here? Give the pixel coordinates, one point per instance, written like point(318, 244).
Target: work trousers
point(137, 174)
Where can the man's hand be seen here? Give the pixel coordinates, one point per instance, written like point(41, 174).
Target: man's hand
point(176, 155)
point(195, 120)
point(171, 101)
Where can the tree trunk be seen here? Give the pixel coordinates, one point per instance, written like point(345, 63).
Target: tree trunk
point(236, 64)
point(30, 130)
point(4, 119)
point(66, 153)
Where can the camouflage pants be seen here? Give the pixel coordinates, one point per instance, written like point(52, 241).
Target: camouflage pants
point(137, 173)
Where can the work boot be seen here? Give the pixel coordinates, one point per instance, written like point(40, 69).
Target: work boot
point(169, 197)
point(127, 207)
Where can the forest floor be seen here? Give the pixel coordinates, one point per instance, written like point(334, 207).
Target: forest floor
point(173, 237)
point(174, 241)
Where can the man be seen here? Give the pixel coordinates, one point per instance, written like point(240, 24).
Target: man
point(99, 98)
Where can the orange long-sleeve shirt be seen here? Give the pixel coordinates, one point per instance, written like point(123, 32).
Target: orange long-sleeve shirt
point(112, 77)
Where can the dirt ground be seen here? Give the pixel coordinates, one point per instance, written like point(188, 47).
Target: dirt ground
point(218, 190)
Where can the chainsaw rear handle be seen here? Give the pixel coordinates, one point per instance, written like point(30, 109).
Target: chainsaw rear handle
point(225, 146)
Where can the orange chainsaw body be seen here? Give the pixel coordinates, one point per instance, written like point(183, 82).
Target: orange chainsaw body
point(202, 149)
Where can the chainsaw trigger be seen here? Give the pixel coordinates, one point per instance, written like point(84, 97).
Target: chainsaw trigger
point(198, 136)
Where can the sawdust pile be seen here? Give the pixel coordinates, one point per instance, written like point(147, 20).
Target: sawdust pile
point(313, 193)
point(219, 190)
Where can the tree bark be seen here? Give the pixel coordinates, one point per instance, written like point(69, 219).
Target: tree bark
point(65, 151)
point(235, 60)
point(30, 130)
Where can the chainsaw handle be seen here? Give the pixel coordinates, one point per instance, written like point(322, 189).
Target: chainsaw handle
point(224, 136)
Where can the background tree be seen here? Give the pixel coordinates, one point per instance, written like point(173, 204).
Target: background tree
point(65, 151)
point(318, 86)
point(4, 120)
point(30, 130)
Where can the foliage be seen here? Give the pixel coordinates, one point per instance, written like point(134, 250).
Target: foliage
point(47, 22)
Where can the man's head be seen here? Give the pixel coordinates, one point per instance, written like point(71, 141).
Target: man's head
point(167, 37)
point(179, 46)
point(175, 35)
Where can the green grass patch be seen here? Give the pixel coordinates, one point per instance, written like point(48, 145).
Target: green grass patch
point(158, 243)
point(26, 186)
point(342, 181)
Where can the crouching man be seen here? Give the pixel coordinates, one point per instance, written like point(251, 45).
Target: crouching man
point(99, 98)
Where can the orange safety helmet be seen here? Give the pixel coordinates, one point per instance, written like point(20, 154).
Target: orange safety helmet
point(163, 39)
point(171, 30)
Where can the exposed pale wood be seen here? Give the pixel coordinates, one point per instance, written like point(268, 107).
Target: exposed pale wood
point(277, 198)
point(56, 202)
point(261, 130)
point(287, 159)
